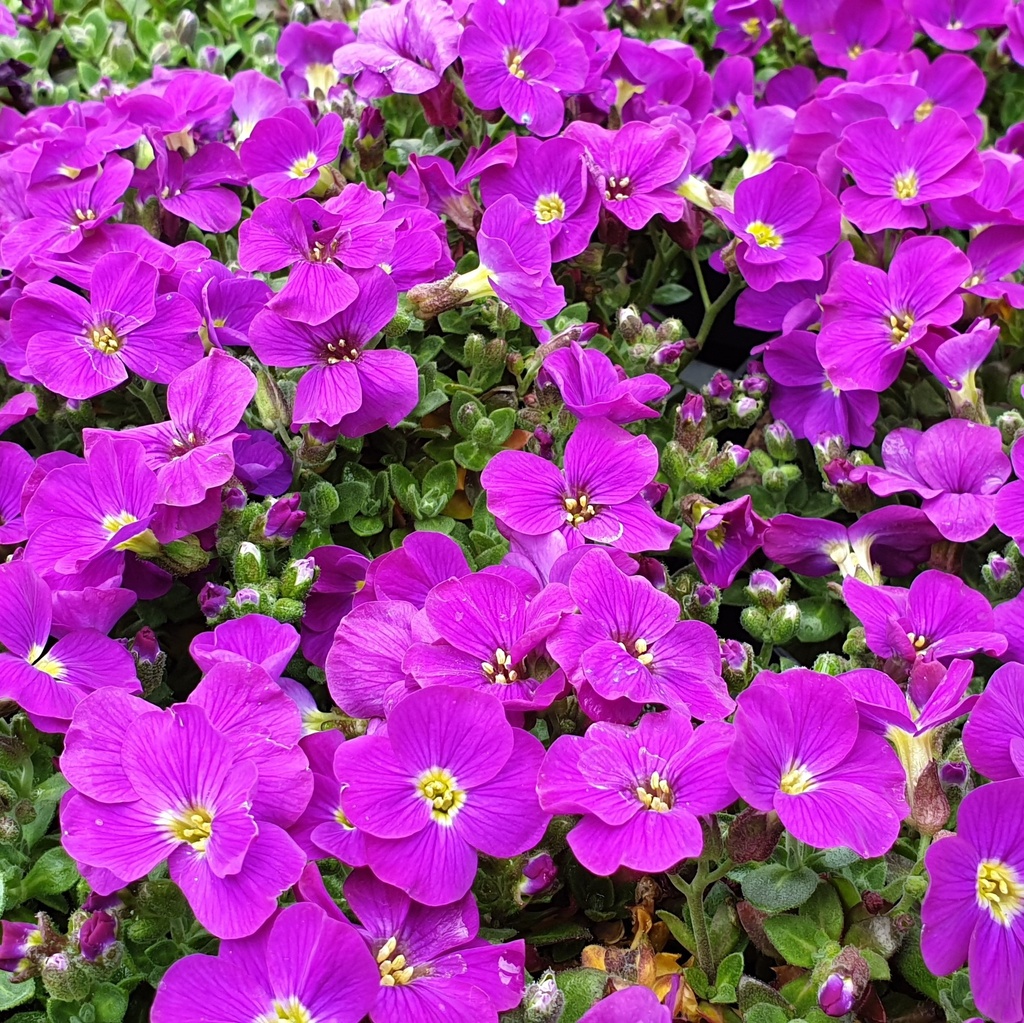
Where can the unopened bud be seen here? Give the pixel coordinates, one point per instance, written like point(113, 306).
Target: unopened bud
point(779, 440)
point(783, 623)
point(213, 600)
point(297, 578)
point(539, 873)
point(767, 590)
point(543, 1002)
point(836, 996)
point(753, 836)
point(249, 566)
point(284, 519)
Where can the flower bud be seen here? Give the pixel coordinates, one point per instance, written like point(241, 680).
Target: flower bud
point(247, 601)
point(213, 600)
point(756, 385)
point(160, 899)
point(539, 874)
point(288, 611)
point(64, 978)
point(235, 500)
point(545, 443)
point(719, 389)
point(284, 519)
point(691, 422)
point(703, 603)
point(830, 664)
point(1001, 576)
point(322, 500)
point(97, 935)
point(737, 663)
point(670, 332)
point(183, 557)
point(10, 831)
point(753, 836)
point(668, 355)
point(543, 1002)
point(1011, 425)
point(783, 623)
point(954, 774)
point(744, 411)
point(297, 578)
point(13, 753)
point(755, 621)
point(211, 58)
point(185, 28)
point(630, 325)
point(249, 565)
point(271, 404)
point(836, 996)
point(780, 442)
point(767, 590)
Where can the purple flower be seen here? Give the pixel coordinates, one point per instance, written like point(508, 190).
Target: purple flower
point(837, 995)
point(433, 968)
point(593, 387)
point(194, 452)
point(341, 574)
point(207, 785)
point(405, 48)
point(539, 876)
point(784, 221)
point(283, 154)
point(284, 519)
point(226, 302)
point(256, 97)
point(18, 939)
point(871, 318)
point(994, 733)
point(305, 965)
point(956, 466)
point(16, 465)
point(724, 538)
point(359, 390)
point(857, 26)
point(951, 23)
point(890, 541)
point(972, 910)
point(764, 132)
point(939, 617)
point(411, 571)
point(995, 254)
point(451, 777)
point(899, 169)
point(1010, 499)
point(193, 189)
point(254, 639)
point(804, 398)
point(630, 648)
point(519, 57)
point(306, 52)
point(17, 409)
point(84, 510)
point(81, 348)
point(491, 639)
point(551, 179)
point(97, 934)
point(745, 25)
point(49, 684)
point(640, 790)
point(261, 464)
point(801, 751)
point(598, 496)
point(635, 168)
point(636, 1004)
point(955, 358)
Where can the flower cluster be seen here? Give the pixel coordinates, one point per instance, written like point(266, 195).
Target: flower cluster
point(510, 515)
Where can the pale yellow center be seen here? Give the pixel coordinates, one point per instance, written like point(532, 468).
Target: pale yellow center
point(301, 168)
point(440, 789)
point(656, 794)
point(905, 185)
point(924, 110)
point(514, 62)
point(105, 341)
point(764, 234)
point(900, 326)
point(797, 780)
point(195, 826)
point(549, 207)
point(578, 510)
point(394, 971)
point(500, 669)
point(288, 1010)
point(1000, 890)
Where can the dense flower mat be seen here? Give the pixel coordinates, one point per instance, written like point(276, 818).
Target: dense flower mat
point(508, 511)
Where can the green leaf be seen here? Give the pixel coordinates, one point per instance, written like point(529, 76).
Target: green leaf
point(679, 929)
point(765, 1013)
point(110, 1003)
point(12, 994)
point(698, 980)
point(796, 938)
point(581, 988)
point(773, 888)
point(820, 619)
point(825, 910)
point(52, 873)
point(730, 970)
point(878, 963)
point(670, 294)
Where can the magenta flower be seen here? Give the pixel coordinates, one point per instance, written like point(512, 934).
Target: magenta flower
point(994, 733)
point(800, 750)
point(404, 48)
point(724, 538)
point(49, 684)
point(640, 790)
point(357, 389)
point(972, 909)
point(995, 254)
point(226, 302)
point(890, 541)
point(637, 1004)
point(194, 189)
point(306, 53)
point(451, 777)
point(81, 348)
point(807, 402)
point(955, 358)
point(745, 25)
point(411, 571)
point(16, 465)
point(256, 97)
point(433, 967)
point(635, 168)
point(764, 132)
point(939, 617)
point(953, 23)
point(1010, 499)
point(519, 57)
point(593, 387)
point(284, 153)
point(856, 26)
point(341, 573)
point(17, 409)
point(84, 510)
point(897, 170)
point(194, 452)
point(784, 221)
point(871, 318)
point(956, 466)
point(262, 466)
point(491, 639)
point(551, 179)
point(305, 965)
point(173, 786)
point(598, 496)
point(630, 648)
point(254, 639)
point(365, 665)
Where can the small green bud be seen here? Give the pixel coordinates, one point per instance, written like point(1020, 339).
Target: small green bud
point(263, 46)
point(543, 1001)
point(183, 557)
point(830, 664)
point(161, 899)
point(10, 832)
point(780, 442)
point(145, 930)
point(1015, 391)
point(8, 797)
point(630, 325)
point(24, 811)
point(856, 644)
point(760, 460)
point(669, 331)
point(249, 565)
point(755, 621)
point(66, 978)
point(321, 501)
point(398, 327)
point(783, 623)
point(271, 404)
point(1010, 424)
point(288, 610)
point(13, 753)
point(297, 578)
point(185, 28)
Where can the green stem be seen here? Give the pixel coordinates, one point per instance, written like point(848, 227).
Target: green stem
point(701, 286)
point(699, 923)
point(35, 436)
point(764, 657)
point(649, 283)
point(733, 288)
point(148, 398)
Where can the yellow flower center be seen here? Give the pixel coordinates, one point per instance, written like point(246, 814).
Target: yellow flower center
point(112, 523)
point(500, 670)
point(639, 651)
point(618, 189)
point(855, 51)
point(50, 666)
point(195, 826)
point(83, 215)
point(301, 168)
point(514, 62)
point(924, 110)
point(578, 510)
point(105, 341)
point(752, 27)
point(906, 186)
point(340, 351)
point(321, 78)
point(288, 1010)
point(340, 818)
point(549, 207)
point(764, 234)
point(440, 789)
point(900, 326)
point(757, 162)
point(655, 794)
point(1000, 890)
point(393, 969)
point(796, 781)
